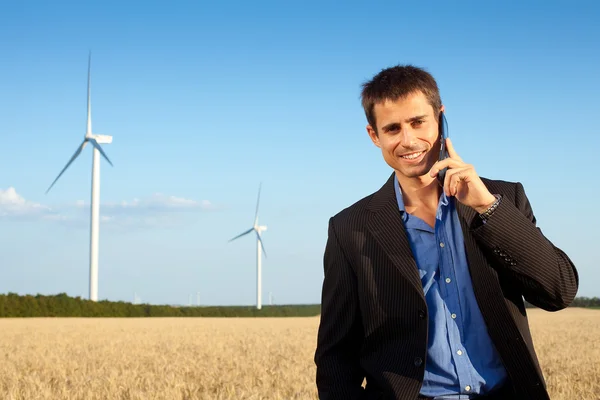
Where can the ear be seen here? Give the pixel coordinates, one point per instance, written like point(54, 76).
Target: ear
point(373, 136)
point(442, 109)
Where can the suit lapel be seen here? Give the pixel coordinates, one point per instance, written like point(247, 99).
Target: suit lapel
point(483, 276)
point(466, 215)
point(385, 224)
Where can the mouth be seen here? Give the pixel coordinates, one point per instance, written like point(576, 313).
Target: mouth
point(412, 156)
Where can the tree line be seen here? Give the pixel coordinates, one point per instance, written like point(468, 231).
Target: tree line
point(61, 305)
point(583, 302)
point(13, 305)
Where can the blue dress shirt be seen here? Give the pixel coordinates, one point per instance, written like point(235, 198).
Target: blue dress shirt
point(461, 358)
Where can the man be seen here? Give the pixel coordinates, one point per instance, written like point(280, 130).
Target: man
point(424, 284)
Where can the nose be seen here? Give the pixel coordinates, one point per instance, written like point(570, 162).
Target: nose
point(407, 137)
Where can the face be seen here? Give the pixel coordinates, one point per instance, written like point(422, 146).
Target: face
point(408, 135)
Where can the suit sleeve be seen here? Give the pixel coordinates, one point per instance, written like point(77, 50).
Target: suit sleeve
point(547, 277)
point(339, 375)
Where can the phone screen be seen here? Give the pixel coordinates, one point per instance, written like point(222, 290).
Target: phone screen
point(443, 129)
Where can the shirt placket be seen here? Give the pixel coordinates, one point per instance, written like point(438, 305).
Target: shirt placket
point(450, 294)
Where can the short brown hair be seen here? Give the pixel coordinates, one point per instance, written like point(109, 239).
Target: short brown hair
point(397, 82)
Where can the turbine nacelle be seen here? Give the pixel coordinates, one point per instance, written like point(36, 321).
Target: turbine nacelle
point(260, 228)
point(102, 139)
point(257, 230)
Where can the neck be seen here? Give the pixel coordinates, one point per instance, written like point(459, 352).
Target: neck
point(419, 191)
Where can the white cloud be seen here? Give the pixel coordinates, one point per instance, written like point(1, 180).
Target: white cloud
point(156, 210)
point(160, 202)
point(13, 205)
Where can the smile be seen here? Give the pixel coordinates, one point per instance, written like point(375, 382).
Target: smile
point(412, 156)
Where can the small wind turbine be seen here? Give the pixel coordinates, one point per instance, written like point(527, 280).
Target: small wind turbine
point(259, 245)
point(95, 141)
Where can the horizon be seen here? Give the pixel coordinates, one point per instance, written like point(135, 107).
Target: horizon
point(251, 306)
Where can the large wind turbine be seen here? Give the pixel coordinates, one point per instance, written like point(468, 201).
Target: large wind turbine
point(259, 246)
point(95, 141)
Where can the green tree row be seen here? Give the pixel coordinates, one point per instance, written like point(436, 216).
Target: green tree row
point(61, 305)
point(584, 302)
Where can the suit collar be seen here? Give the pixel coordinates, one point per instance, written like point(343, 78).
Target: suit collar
point(384, 195)
point(387, 194)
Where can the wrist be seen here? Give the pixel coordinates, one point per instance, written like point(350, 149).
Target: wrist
point(485, 215)
point(489, 202)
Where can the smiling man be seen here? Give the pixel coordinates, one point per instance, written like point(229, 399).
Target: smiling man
point(424, 283)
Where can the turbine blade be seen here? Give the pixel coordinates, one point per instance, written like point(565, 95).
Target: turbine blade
point(257, 201)
point(97, 145)
point(77, 152)
point(261, 243)
point(89, 101)
point(242, 234)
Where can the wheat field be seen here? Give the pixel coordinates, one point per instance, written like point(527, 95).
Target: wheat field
point(238, 358)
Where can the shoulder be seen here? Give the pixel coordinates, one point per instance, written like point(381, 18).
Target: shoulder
point(506, 188)
point(512, 190)
point(352, 216)
point(350, 223)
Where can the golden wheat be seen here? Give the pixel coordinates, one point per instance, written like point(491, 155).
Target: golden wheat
point(218, 359)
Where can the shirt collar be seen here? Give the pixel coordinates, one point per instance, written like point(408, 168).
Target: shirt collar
point(443, 203)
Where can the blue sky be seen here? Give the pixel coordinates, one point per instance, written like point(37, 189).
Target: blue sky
point(204, 101)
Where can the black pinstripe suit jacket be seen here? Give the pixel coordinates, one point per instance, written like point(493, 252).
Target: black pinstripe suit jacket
point(374, 319)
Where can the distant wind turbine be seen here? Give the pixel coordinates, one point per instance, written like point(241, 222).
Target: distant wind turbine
point(259, 245)
point(95, 141)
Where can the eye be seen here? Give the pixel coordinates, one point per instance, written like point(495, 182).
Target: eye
point(417, 123)
point(393, 128)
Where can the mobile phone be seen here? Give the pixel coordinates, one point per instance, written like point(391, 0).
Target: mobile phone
point(443, 129)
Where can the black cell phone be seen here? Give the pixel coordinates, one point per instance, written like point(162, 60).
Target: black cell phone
point(443, 129)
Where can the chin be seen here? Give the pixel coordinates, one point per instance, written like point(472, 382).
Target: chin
point(413, 173)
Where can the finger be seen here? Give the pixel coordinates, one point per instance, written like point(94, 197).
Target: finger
point(454, 178)
point(445, 163)
point(451, 151)
point(448, 180)
point(461, 179)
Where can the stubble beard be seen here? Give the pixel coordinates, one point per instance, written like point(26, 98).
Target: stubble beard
point(416, 171)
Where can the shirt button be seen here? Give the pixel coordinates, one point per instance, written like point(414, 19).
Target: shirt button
point(467, 388)
point(448, 280)
point(459, 352)
point(442, 244)
point(453, 316)
point(421, 314)
point(418, 361)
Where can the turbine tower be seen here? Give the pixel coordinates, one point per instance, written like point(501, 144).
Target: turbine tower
point(259, 246)
point(95, 141)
